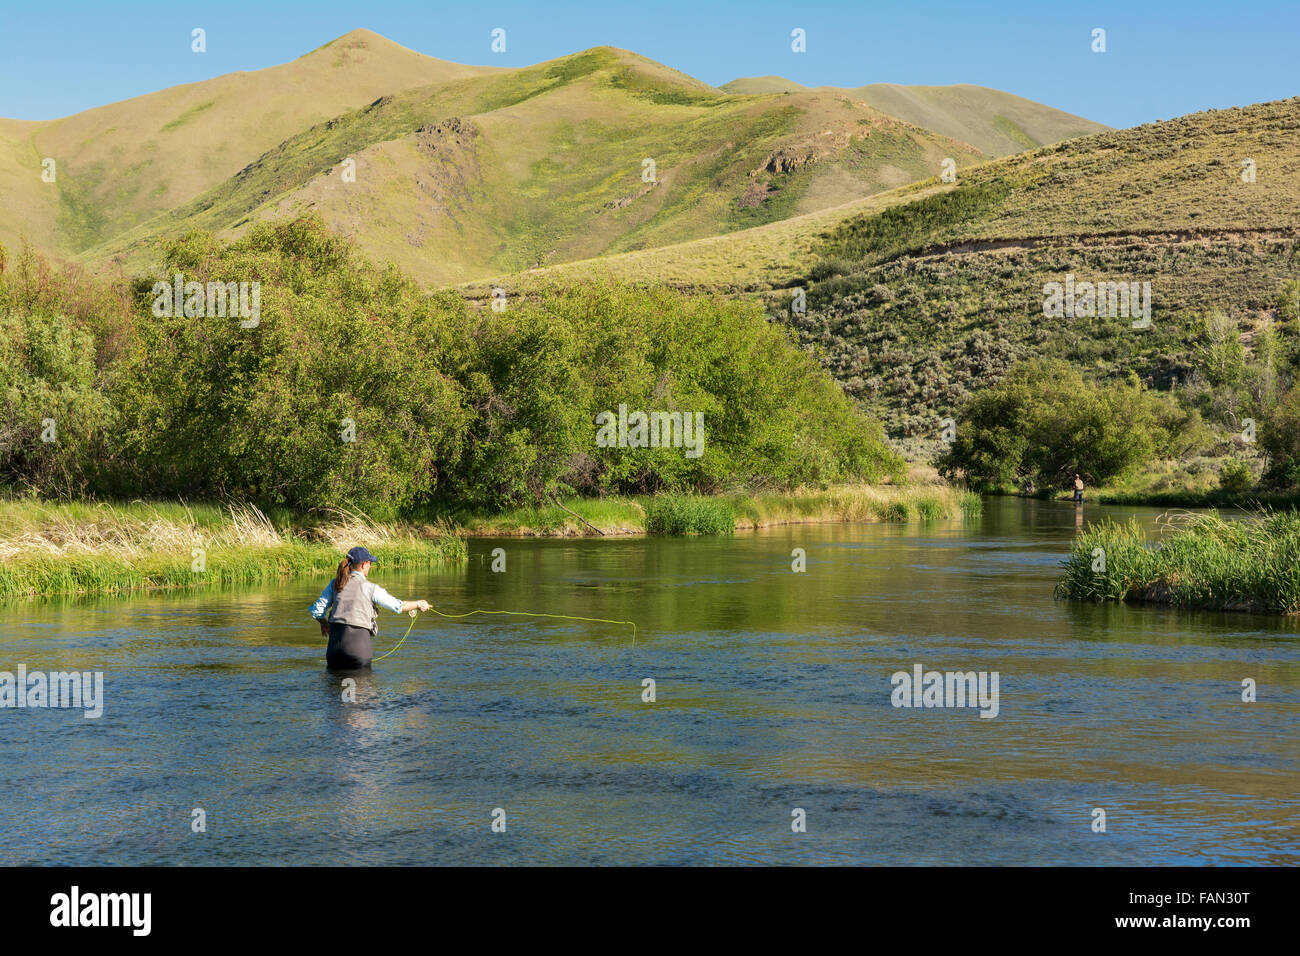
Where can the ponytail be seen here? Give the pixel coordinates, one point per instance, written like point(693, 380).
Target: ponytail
point(342, 576)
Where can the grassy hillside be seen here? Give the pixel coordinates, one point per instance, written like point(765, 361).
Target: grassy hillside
point(916, 307)
point(121, 164)
point(545, 164)
point(466, 172)
point(921, 296)
point(28, 206)
point(996, 123)
point(757, 260)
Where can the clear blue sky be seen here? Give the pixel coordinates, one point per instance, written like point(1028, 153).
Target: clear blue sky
point(1164, 57)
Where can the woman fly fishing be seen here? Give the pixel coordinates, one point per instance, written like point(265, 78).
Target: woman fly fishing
point(346, 610)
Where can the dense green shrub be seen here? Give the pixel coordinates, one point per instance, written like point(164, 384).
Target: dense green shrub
point(770, 415)
point(53, 415)
point(355, 387)
point(55, 337)
point(1044, 422)
point(1236, 476)
point(1220, 353)
point(336, 396)
point(1288, 300)
point(525, 395)
point(1279, 438)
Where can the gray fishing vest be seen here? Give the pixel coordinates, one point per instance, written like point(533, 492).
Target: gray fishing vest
point(356, 605)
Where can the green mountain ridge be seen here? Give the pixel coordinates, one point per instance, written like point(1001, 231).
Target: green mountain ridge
point(121, 164)
point(461, 172)
point(549, 163)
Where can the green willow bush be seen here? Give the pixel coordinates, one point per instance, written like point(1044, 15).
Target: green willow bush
point(58, 334)
point(342, 351)
point(1279, 437)
point(771, 416)
point(1044, 422)
point(54, 418)
point(356, 387)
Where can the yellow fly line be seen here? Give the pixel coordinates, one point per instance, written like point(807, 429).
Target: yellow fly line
point(558, 617)
point(401, 642)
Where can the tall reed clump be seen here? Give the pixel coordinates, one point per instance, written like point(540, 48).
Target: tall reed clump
point(1202, 561)
point(688, 514)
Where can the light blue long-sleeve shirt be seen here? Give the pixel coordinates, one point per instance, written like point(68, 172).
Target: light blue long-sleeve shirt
point(381, 598)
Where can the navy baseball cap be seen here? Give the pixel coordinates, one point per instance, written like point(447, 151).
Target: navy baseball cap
point(360, 555)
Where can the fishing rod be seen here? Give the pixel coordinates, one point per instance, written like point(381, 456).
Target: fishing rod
point(559, 617)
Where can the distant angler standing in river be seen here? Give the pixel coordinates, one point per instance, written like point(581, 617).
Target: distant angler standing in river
point(347, 611)
point(1078, 489)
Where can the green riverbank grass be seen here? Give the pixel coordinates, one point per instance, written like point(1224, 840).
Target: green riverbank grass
point(1251, 500)
point(95, 548)
point(858, 503)
point(1201, 561)
point(573, 517)
point(722, 514)
point(689, 514)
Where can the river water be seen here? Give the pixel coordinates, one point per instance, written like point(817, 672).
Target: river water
point(772, 694)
